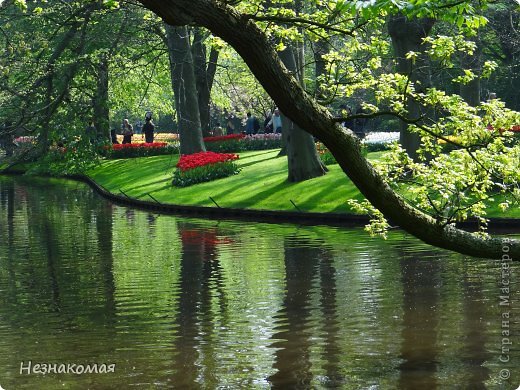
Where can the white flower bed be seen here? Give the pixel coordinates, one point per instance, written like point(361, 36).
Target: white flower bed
point(381, 137)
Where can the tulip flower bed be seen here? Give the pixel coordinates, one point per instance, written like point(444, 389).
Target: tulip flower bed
point(204, 166)
point(139, 150)
point(262, 141)
point(224, 143)
point(241, 142)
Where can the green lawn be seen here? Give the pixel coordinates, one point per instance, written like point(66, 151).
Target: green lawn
point(261, 184)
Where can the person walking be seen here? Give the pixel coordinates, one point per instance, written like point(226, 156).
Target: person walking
point(128, 132)
point(148, 129)
point(252, 124)
point(276, 121)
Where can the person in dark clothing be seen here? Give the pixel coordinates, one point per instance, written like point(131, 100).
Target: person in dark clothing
point(128, 132)
point(113, 136)
point(148, 130)
point(252, 124)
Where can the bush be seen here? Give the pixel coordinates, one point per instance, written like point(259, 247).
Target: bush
point(240, 142)
point(74, 158)
point(262, 141)
point(204, 166)
point(138, 150)
point(224, 143)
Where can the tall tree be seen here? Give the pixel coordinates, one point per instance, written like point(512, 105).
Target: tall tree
point(205, 69)
point(303, 160)
point(407, 36)
point(185, 89)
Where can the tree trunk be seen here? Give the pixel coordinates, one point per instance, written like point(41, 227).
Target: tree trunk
point(407, 35)
point(470, 92)
point(321, 47)
point(204, 75)
point(255, 48)
point(185, 90)
point(100, 101)
point(302, 157)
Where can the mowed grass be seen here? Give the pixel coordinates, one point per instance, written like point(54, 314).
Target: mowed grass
point(262, 184)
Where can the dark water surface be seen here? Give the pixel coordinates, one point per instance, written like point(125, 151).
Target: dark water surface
point(189, 303)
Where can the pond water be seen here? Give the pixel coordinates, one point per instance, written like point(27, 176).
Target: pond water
point(174, 302)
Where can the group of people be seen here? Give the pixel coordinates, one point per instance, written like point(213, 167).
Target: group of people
point(251, 125)
point(127, 130)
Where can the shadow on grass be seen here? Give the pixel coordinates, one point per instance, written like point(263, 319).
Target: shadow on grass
point(260, 153)
point(257, 161)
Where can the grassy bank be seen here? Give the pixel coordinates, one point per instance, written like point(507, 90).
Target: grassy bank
point(262, 184)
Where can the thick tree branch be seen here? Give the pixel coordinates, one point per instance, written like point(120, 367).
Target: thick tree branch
point(256, 50)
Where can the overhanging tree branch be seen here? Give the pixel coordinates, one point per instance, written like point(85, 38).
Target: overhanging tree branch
point(256, 50)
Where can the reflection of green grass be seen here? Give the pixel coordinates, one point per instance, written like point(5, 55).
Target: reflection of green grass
point(261, 184)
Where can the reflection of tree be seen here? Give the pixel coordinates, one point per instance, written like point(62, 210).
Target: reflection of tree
point(420, 319)
point(201, 280)
point(474, 352)
point(104, 229)
point(57, 221)
point(303, 261)
point(332, 352)
point(7, 199)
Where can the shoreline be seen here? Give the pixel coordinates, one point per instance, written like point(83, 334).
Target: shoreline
point(257, 215)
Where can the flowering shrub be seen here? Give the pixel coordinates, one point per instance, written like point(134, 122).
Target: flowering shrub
point(263, 141)
point(241, 142)
point(204, 166)
point(379, 141)
point(228, 137)
point(224, 143)
point(139, 150)
point(26, 139)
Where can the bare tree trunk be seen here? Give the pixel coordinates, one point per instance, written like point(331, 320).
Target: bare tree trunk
point(204, 75)
point(100, 101)
point(407, 35)
point(185, 90)
point(302, 157)
point(321, 47)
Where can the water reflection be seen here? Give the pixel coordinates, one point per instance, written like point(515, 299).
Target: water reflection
point(187, 303)
point(292, 360)
point(421, 281)
point(308, 264)
point(473, 353)
point(202, 306)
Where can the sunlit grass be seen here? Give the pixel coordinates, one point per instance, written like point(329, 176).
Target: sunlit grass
point(262, 184)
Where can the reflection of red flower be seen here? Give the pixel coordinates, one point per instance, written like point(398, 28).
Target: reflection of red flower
point(190, 161)
point(224, 138)
point(204, 237)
